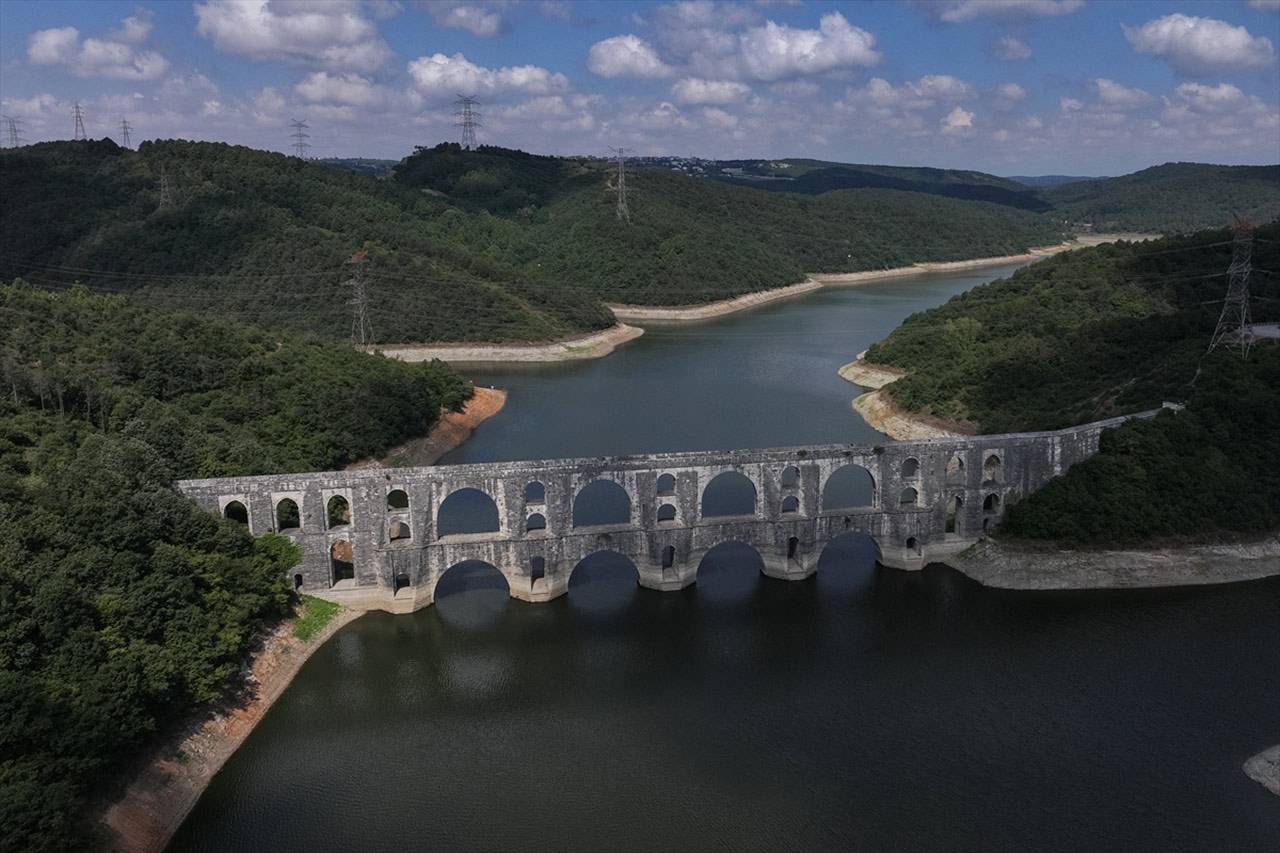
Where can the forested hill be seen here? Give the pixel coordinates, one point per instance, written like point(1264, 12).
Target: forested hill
point(122, 603)
point(1105, 331)
point(484, 245)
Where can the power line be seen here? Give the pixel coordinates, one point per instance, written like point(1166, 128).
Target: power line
point(468, 119)
point(78, 113)
point(361, 330)
point(166, 189)
point(124, 131)
point(620, 186)
point(1234, 326)
point(14, 126)
point(300, 137)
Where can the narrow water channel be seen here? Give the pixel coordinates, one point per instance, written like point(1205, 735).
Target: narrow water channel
point(863, 709)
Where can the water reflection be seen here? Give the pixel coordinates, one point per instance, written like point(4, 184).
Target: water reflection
point(472, 595)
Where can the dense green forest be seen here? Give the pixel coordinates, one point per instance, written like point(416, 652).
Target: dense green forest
point(1105, 331)
point(123, 604)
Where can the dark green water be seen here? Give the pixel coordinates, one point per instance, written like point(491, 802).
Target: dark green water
point(862, 709)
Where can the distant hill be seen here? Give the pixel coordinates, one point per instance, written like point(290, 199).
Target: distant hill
point(1173, 198)
point(363, 165)
point(1052, 180)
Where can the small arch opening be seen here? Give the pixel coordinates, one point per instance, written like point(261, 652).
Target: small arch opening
point(467, 510)
point(287, 515)
point(913, 545)
point(537, 568)
point(535, 522)
point(790, 504)
point(297, 582)
point(991, 469)
point(397, 499)
point(601, 502)
point(790, 477)
point(235, 511)
point(341, 563)
point(337, 512)
point(955, 468)
point(991, 503)
point(848, 487)
point(666, 512)
point(398, 531)
point(909, 497)
point(793, 547)
point(911, 469)
point(666, 485)
point(535, 493)
point(402, 582)
point(953, 514)
point(729, 493)
point(668, 556)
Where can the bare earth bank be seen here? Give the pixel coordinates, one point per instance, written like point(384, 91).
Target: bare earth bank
point(878, 410)
point(596, 345)
point(450, 431)
point(1264, 768)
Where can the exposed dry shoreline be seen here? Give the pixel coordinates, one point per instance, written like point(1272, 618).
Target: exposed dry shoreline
point(173, 778)
point(1264, 768)
point(595, 345)
point(879, 411)
point(450, 431)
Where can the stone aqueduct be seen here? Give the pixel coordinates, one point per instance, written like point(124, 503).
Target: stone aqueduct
point(379, 538)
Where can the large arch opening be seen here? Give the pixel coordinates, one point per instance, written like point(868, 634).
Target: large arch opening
point(287, 515)
point(729, 573)
point(849, 487)
point(954, 507)
point(729, 493)
point(472, 594)
point(991, 469)
point(337, 512)
point(397, 499)
point(603, 582)
point(601, 502)
point(341, 562)
point(467, 510)
point(848, 564)
point(236, 511)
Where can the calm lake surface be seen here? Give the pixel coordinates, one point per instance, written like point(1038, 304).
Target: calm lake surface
point(862, 709)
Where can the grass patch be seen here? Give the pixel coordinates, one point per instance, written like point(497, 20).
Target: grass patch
point(316, 613)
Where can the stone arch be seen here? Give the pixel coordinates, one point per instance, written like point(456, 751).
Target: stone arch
point(537, 567)
point(342, 565)
point(910, 468)
point(601, 502)
point(729, 493)
point(913, 545)
point(398, 531)
point(237, 512)
point(467, 510)
point(668, 556)
point(848, 487)
point(287, 515)
point(401, 581)
point(733, 550)
point(535, 492)
point(397, 499)
point(849, 546)
point(582, 571)
point(793, 547)
point(337, 512)
point(466, 575)
point(790, 477)
point(666, 513)
point(666, 485)
point(955, 506)
point(730, 572)
point(790, 504)
point(955, 468)
point(991, 503)
point(535, 522)
point(991, 469)
point(909, 497)
point(297, 581)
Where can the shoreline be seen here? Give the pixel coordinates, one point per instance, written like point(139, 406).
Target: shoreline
point(881, 414)
point(594, 345)
point(155, 804)
point(449, 433)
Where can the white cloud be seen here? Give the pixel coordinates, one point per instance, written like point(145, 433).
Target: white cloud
point(1192, 44)
point(349, 89)
point(693, 90)
point(921, 94)
point(626, 56)
point(1265, 5)
point(1112, 94)
point(442, 76)
point(957, 121)
point(1070, 105)
point(334, 34)
point(1012, 49)
point(777, 51)
point(720, 119)
point(475, 18)
point(268, 106)
point(116, 55)
point(956, 11)
point(1011, 91)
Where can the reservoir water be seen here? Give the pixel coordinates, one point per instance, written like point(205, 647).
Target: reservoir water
point(863, 709)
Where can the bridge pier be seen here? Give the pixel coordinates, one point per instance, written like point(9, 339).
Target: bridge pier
point(677, 576)
point(794, 568)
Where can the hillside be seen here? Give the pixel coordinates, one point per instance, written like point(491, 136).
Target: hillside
point(1174, 198)
point(1105, 331)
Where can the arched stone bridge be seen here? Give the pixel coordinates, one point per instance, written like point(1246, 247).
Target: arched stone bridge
point(384, 537)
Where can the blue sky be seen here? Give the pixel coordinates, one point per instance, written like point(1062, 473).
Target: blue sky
point(1007, 86)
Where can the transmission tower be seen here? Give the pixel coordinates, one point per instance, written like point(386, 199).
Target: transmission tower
point(1235, 329)
point(361, 330)
point(620, 185)
point(166, 190)
point(300, 137)
point(124, 131)
point(78, 113)
point(14, 126)
point(468, 119)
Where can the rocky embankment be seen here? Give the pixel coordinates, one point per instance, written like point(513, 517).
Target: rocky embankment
point(878, 410)
point(595, 345)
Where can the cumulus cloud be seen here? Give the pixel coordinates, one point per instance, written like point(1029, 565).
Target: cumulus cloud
point(476, 18)
point(114, 55)
point(957, 121)
point(921, 94)
point(626, 56)
point(1011, 91)
point(440, 75)
point(776, 51)
point(956, 11)
point(1012, 49)
point(1112, 94)
point(1192, 44)
point(693, 90)
point(334, 34)
point(1265, 5)
point(349, 89)
point(720, 119)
